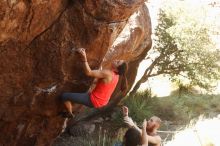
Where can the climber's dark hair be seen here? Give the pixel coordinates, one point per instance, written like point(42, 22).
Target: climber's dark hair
point(132, 137)
point(122, 70)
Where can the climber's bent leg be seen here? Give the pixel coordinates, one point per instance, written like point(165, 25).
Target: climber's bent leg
point(68, 106)
point(80, 98)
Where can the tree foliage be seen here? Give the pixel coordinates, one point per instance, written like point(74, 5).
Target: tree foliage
point(183, 47)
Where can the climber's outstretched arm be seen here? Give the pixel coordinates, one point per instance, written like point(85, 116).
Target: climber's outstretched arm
point(101, 74)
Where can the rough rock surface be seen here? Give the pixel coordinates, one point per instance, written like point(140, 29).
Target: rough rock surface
point(36, 63)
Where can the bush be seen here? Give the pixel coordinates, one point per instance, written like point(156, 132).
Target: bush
point(139, 108)
point(179, 110)
point(102, 138)
point(188, 106)
point(172, 108)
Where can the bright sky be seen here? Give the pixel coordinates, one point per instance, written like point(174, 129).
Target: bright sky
point(161, 86)
point(206, 131)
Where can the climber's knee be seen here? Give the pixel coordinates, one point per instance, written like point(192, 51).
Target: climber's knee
point(64, 97)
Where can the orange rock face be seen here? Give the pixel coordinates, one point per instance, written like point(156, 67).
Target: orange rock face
point(37, 65)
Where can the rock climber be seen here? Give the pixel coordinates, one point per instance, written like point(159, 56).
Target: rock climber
point(107, 80)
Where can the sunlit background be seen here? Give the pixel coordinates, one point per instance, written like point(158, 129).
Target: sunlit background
point(162, 86)
point(204, 132)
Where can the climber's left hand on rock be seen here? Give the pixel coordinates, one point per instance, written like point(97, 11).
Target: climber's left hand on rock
point(82, 53)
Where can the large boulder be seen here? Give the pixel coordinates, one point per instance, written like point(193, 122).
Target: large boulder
point(37, 64)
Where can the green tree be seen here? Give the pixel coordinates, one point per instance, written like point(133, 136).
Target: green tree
point(183, 48)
